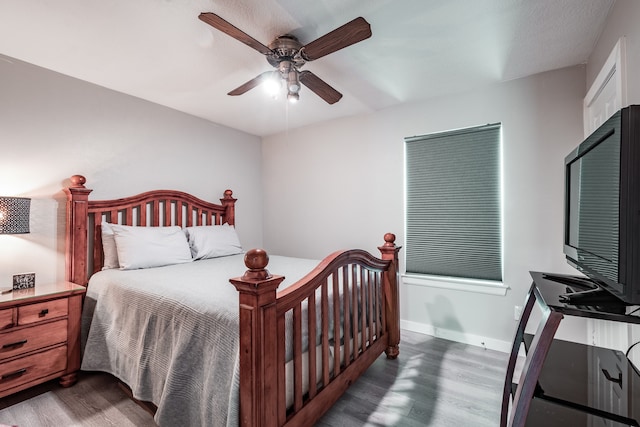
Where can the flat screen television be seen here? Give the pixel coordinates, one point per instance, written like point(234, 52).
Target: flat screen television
point(602, 207)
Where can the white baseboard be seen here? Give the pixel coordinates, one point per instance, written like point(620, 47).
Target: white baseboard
point(477, 340)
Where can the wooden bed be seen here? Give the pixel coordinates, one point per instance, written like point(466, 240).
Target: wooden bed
point(262, 308)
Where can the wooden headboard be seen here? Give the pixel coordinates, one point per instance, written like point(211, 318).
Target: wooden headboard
point(154, 208)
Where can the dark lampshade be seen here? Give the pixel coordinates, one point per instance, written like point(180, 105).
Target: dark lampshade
point(14, 215)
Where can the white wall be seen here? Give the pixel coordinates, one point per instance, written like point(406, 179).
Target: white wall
point(53, 126)
point(622, 21)
point(340, 184)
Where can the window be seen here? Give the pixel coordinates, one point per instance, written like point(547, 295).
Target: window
point(453, 204)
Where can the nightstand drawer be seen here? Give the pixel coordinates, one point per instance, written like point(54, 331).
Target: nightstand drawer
point(6, 318)
point(29, 339)
point(30, 368)
point(42, 311)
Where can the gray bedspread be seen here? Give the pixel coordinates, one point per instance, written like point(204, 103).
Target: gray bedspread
point(171, 334)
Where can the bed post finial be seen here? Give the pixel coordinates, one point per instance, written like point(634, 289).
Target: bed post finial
point(389, 251)
point(77, 181)
point(230, 205)
point(256, 260)
point(389, 240)
point(258, 338)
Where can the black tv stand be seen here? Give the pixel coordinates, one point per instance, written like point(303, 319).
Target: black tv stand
point(565, 383)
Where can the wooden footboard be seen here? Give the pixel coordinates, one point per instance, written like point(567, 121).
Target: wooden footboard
point(351, 302)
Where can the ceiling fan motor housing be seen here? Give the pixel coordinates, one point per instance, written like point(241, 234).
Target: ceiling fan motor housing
point(285, 48)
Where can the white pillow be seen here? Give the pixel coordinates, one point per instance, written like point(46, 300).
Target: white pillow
point(143, 247)
point(109, 247)
point(211, 241)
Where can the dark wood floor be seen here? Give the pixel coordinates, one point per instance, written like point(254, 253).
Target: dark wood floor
point(433, 383)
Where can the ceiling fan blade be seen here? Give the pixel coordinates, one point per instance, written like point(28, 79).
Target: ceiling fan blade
point(220, 24)
point(350, 33)
point(250, 84)
point(319, 87)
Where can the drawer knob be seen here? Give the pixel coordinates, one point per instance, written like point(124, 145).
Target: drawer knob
point(14, 374)
point(43, 312)
point(15, 344)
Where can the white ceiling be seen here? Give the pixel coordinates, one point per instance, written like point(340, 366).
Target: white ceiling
point(160, 51)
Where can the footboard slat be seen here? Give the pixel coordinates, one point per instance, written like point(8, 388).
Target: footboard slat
point(381, 300)
point(297, 357)
point(347, 319)
point(354, 313)
point(312, 331)
point(371, 296)
point(336, 323)
point(282, 374)
point(363, 317)
point(324, 303)
point(378, 309)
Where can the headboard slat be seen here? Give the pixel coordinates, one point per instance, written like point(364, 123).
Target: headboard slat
point(128, 214)
point(179, 208)
point(84, 219)
point(189, 215)
point(142, 214)
point(155, 216)
point(167, 212)
point(96, 247)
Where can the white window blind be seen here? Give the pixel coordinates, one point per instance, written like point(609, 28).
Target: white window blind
point(454, 204)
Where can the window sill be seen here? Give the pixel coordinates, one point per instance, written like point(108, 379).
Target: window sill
point(455, 283)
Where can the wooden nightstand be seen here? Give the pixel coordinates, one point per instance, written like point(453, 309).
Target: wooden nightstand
point(40, 336)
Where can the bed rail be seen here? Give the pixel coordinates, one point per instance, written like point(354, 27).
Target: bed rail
point(352, 309)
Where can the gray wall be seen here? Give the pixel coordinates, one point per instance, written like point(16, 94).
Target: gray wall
point(345, 180)
point(53, 126)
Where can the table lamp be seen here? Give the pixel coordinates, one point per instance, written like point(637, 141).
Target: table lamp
point(14, 215)
point(14, 219)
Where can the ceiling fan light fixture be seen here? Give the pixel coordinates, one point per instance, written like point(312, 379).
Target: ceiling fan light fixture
point(293, 84)
point(293, 97)
point(272, 84)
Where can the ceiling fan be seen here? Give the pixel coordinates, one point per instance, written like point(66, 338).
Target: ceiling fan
point(287, 55)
